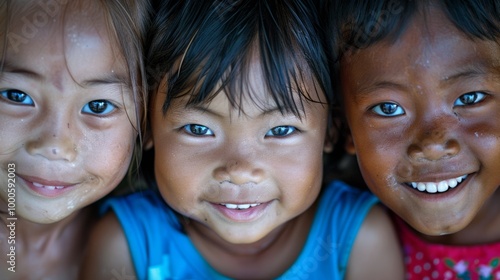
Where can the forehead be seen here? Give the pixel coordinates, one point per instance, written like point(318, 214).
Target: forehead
point(430, 44)
point(249, 83)
point(53, 39)
point(27, 22)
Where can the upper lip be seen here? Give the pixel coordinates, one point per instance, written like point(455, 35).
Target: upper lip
point(46, 182)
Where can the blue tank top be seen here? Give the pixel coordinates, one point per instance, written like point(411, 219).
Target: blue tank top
point(160, 249)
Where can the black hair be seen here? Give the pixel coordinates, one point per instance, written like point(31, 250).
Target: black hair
point(362, 23)
point(203, 47)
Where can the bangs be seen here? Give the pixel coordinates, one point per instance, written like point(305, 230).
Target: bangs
point(222, 45)
point(361, 24)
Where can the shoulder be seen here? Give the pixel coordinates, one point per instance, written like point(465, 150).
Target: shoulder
point(107, 254)
point(344, 205)
point(376, 237)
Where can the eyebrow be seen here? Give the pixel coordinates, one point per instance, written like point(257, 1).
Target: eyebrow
point(111, 78)
point(200, 108)
point(8, 67)
point(467, 73)
point(369, 89)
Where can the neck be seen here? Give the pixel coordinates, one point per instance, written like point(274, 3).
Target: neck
point(27, 230)
point(45, 251)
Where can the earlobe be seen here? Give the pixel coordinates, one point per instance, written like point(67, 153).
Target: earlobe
point(349, 145)
point(328, 147)
point(332, 135)
point(148, 141)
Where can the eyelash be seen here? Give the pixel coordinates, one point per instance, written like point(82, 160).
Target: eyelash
point(201, 130)
point(475, 100)
point(11, 94)
point(477, 97)
point(101, 102)
point(379, 109)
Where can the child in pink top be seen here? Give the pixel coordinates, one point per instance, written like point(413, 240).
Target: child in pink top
point(421, 91)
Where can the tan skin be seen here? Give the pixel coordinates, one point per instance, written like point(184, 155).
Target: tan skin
point(426, 109)
point(67, 154)
point(238, 158)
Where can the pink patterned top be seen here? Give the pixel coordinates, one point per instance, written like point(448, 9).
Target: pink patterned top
point(427, 261)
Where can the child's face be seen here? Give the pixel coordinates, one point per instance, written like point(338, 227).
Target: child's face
point(65, 115)
point(427, 109)
point(211, 159)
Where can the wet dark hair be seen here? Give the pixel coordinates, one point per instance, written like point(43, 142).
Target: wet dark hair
point(362, 23)
point(203, 47)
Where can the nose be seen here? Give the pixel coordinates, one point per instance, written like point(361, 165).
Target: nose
point(239, 166)
point(435, 142)
point(54, 139)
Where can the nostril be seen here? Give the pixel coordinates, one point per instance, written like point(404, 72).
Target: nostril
point(452, 147)
point(433, 150)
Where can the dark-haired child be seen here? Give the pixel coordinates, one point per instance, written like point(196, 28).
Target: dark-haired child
point(239, 127)
point(421, 89)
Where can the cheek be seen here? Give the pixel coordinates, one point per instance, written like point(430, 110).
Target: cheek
point(300, 173)
point(178, 172)
point(108, 154)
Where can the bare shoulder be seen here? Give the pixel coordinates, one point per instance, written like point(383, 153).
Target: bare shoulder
point(376, 253)
point(107, 255)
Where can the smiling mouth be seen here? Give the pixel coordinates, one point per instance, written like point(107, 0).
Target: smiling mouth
point(437, 187)
point(239, 206)
point(38, 185)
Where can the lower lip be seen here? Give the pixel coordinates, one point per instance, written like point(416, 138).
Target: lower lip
point(46, 192)
point(243, 215)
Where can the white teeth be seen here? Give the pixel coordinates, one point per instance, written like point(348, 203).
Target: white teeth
point(442, 186)
point(231, 206)
point(433, 187)
point(239, 206)
point(38, 185)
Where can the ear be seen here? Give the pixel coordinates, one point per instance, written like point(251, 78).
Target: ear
point(148, 141)
point(332, 136)
point(349, 144)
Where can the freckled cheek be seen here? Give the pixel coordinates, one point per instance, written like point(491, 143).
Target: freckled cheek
point(108, 157)
point(178, 172)
point(379, 163)
point(12, 135)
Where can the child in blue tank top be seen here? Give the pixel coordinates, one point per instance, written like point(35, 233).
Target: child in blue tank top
point(240, 120)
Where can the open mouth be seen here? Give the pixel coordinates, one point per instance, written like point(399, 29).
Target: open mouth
point(38, 185)
point(239, 206)
point(437, 187)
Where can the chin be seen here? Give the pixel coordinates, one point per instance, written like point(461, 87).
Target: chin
point(438, 228)
point(41, 216)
